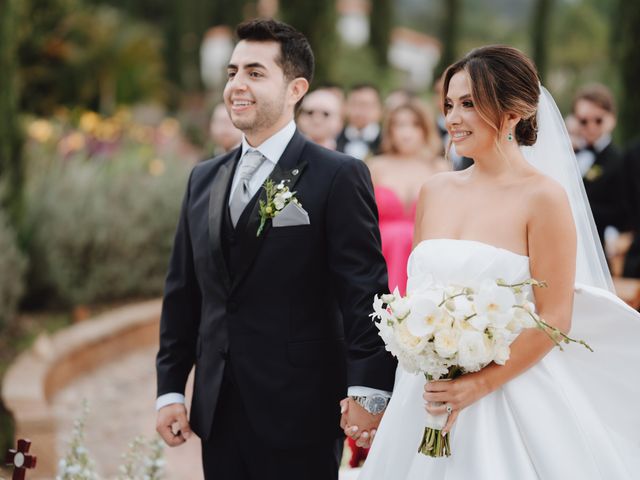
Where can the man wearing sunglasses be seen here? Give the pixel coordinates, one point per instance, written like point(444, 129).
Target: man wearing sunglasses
point(600, 162)
point(320, 117)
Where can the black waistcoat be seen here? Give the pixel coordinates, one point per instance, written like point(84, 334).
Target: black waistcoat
point(230, 236)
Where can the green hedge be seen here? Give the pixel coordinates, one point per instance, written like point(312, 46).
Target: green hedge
point(101, 231)
point(12, 269)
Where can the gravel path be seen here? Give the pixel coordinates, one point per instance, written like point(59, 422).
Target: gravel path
point(121, 398)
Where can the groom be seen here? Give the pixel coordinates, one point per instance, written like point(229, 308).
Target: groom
point(274, 319)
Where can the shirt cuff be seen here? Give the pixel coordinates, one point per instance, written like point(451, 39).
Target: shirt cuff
point(168, 399)
point(358, 391)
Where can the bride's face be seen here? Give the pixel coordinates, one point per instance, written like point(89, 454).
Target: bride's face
point(470, 134)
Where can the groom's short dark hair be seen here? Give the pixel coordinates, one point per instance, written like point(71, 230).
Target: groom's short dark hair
point(296, 57)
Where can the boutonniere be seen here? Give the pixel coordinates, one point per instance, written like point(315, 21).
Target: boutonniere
point(278, 197)
point(593, 173)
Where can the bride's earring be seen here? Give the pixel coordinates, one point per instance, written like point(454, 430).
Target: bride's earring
point(509, 136)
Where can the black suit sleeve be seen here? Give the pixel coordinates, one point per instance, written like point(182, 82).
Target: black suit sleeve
point(180, 311)
point(359, 272)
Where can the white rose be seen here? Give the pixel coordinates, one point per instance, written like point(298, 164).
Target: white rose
point(407, 341)
point(446, 342)
point(472, 351)
point(287, 195)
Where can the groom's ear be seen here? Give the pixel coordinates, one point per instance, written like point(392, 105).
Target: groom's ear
point(298, 87)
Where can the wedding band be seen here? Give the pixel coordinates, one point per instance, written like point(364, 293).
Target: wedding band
point(449, 409)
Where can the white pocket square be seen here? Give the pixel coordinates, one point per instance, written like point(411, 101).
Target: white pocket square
point(292, 214)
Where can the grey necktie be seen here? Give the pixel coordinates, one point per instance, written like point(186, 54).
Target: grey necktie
point(242, 194)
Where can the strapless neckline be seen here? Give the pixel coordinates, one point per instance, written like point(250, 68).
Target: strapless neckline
point(473, 242)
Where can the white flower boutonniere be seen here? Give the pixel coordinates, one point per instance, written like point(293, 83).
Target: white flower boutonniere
point(278, 197)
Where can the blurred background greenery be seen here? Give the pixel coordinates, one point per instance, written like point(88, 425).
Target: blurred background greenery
point(104, 109)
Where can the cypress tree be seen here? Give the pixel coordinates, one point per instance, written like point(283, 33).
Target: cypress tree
point(11, 170)
point(381, 23)
point(540, 32)
point(449, 34)
point(626, 47)
point(317, 20)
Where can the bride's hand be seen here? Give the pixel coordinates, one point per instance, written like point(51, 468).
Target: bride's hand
point(456, 394)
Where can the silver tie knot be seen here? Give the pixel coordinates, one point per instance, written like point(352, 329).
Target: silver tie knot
point(241, 196)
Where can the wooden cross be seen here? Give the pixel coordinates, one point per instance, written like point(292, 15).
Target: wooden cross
point(20, 459)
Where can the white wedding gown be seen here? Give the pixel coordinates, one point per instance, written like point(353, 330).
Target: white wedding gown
point(573, 415)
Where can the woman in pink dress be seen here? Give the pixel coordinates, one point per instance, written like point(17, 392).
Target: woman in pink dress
point(411, 149)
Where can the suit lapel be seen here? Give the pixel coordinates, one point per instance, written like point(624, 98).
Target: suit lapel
point(289, 168)
point(217, 204)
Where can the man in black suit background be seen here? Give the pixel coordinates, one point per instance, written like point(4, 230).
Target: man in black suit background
point(275, 319)
point(361, 135)
point(600, 162)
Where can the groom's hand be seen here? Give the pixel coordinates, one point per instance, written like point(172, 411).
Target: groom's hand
point(357, 423)
point(172, 424)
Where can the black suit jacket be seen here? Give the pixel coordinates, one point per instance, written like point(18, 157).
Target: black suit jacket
point(606, 190)
point(291, 319)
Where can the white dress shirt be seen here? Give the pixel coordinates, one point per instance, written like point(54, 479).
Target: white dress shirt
point(586, 158)
point(272, 148)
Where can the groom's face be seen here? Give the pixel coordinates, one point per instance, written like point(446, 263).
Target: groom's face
point(257, 94)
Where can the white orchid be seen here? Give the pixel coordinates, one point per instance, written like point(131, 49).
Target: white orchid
point(425, 316)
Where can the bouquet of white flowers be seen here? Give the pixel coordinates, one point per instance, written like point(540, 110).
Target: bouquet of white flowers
point(445, 331)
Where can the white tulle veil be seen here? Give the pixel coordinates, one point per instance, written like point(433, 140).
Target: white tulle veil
point(553, 155)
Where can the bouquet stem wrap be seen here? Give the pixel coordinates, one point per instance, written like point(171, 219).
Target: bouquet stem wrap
point(433, 443)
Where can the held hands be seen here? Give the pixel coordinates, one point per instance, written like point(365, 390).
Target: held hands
point(172, 424)
point(451, 396)
point(357, 423)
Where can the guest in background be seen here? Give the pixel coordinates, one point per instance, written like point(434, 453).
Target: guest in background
point(573, 129)
point(397, 97)
point(600, 162)
point(224, 134)
point(320, 117)
point(363, 110)
point(412, 152)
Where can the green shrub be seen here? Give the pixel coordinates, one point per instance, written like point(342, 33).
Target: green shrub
point(102, 231)
point(12, 269)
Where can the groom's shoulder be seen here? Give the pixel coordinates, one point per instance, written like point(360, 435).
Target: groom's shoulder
point(206, 168)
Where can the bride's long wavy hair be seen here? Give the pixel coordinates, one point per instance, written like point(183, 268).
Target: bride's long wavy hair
point(503, 80)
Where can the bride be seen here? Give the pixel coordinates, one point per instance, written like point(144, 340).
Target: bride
point(519, 212)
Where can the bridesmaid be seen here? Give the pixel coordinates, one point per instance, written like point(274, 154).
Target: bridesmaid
point(411, 153)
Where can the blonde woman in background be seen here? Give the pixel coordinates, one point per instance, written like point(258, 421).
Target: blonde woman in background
point(412, 152)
